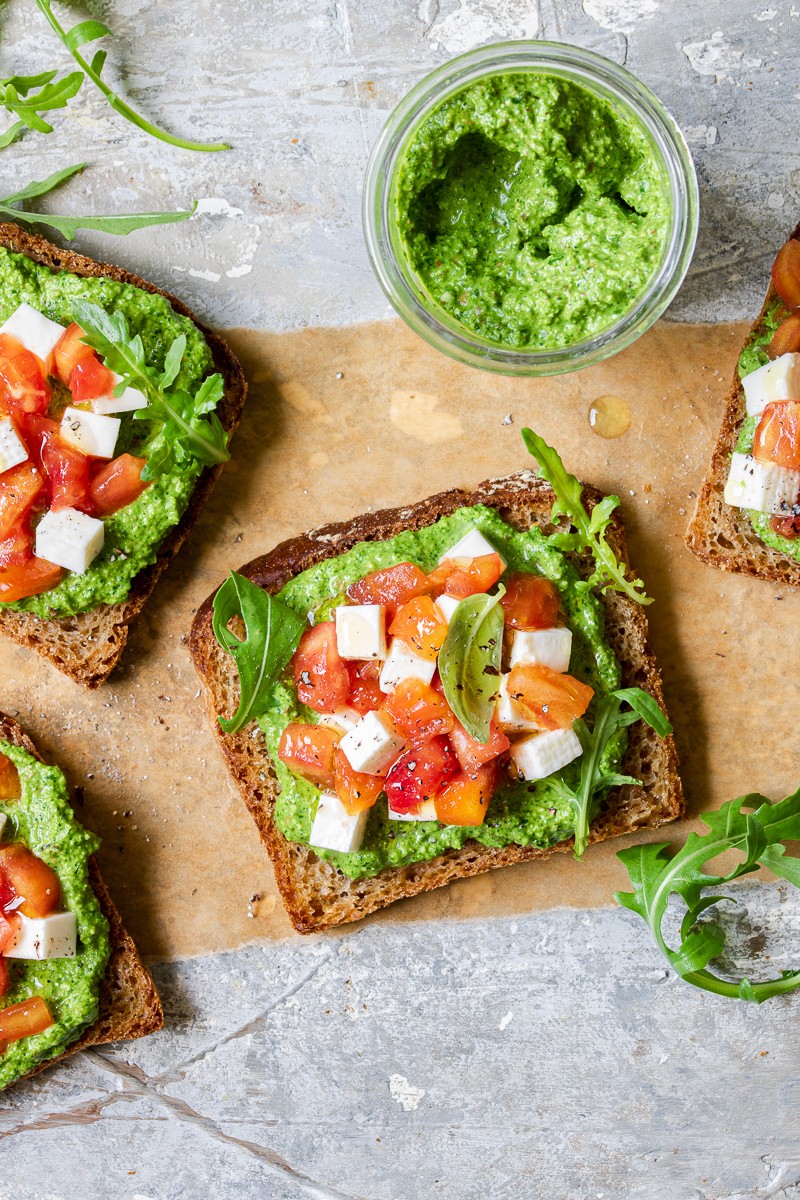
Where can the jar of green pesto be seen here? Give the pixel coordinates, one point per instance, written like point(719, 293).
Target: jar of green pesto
point(530, 208)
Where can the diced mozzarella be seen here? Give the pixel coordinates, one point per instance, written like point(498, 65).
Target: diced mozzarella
point(372, 745)
point(361, 631)
point(12, 449)
point(471, 545)
point(89, 432)
point(69, 538)
point(446, 606)
point(343, 718)
point(402, 663)
point(510, 716)
point(129, 401)
point(334, 828)
point(547, 647)
point(425, 812)
point(764, 487)
point(775, 381)
point(541, 754)
point(55, 936)
point(36, 332)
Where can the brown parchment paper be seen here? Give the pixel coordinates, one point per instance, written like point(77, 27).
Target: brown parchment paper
point(343, 420)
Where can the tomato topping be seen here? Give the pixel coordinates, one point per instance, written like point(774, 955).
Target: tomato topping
point(308, 751)
point(24, 1019)
point(9, 923)
point(465, 799)
point(69, 351)
point(786, 274)
point(23, 387)
point(419, 624)
point(419, 773)
point(788, 527)
point(17, 548)
point(20, 487)
point(118, 484)
point(530, 602)
point(30, 878)
point(321, 676)
point(36, 430)
point(356, 790)
point(391, 586)
point(419, 711)
point(462, 577)
point(9, 781)
point(67, 473)
point(777, 437)
point(20, 580)
point(786, 338)
point(553, 700)
point(365, 693)
point(89, 379)
point(471, 753)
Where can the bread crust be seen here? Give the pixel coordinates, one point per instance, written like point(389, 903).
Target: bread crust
point(88, 646)
point(129, 1003)
point(316, 895)
point(718, 533)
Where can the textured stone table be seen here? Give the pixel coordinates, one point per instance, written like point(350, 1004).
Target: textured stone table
point(546, 1055)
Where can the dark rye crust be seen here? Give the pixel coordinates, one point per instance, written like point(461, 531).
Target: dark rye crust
point(129, 1003)
point(717, 533)
point(317, 895)
point(88, 646)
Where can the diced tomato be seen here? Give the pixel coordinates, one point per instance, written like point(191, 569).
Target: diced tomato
point(89, 379)
point(19, 487)
point(391, 586)
point(23, 387)
point(5, 983)
point(787, 527)
point(471, 753)
point(67, 474)
point(419, 624)
point(463, 577)
point(9, 923)
point(20, 580)
point(786, 338)
point(24, 1019)
point(69, 351)
point(419, 773)
point(365, 693)
point(9, 782)
point(17, 548)
point(356, 790)
point(30, 878)
point(308, 751)
point(465, 799)
point(777, 437)
point(530, 601)
point(786, 273)
point(553, 700)
point(419, 711)
point(36, 430)
point(118, 484)
point(321, 676)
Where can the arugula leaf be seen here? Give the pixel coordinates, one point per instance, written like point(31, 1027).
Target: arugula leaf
point(89, 31)
point(273, 634)
point(656, 875)
point(15, 98)
point(187, 428)
point(469, 662)
point(590, 529)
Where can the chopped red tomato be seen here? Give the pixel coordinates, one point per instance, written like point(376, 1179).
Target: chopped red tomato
point(465, 799)
point(788, 527)
point(118, 484)
point(17, 548)
point(20, 580)
point(30, 878)
point(786, 273)
point(9, 781)
point(365, 693)
point(67, 473)
point(356, 790)
point(35, 430)
point(320, 675)
point(23, 387)
point(463, 577)
point(530, 601)
point(308, 751)
point(419, 624)
point(786, 338)
point(9, 923)
point(24, 1019)
point(419, 773)
point(419, 711)
point(89, 379)
point(69, 351)
point(391, 586)
point(553, 700)
point(20, 487)
point(777, 437)
point(473, 754)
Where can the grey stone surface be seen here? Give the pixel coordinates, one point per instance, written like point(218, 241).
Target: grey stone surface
point(547, 1056)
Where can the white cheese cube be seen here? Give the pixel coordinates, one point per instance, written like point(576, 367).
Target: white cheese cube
point(425, 812)
point(343, 718)
point(55, 936)
point(37, 333)
point(12, 449)
point(446, 606)
point(547, 647)
point(129, 401)
point(541, 754)
point(69, 538)
point(511, 716)
point(372, 745)
point(471, 545)
point(361, 631)
point(334, 828)
point(402, 663)
point(761, 486)
point(775, 381)
point(90, 433)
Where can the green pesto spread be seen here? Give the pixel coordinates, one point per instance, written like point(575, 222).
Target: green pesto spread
point(531, 211)
point(133, 534)
point(527, 814)
point(43, 820)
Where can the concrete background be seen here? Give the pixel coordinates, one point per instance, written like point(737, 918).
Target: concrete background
point(547, 1056)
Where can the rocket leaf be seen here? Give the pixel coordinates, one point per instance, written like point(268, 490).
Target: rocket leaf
point(469, 662)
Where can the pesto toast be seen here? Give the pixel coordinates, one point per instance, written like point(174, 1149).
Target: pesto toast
point(317, 891)
point(124, 1003)
point(85, 637)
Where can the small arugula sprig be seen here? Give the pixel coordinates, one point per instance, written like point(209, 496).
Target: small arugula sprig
point(759, 837)
point(272, 634)
point(186, 425)
point(609, 572)
point(469, 662)
point(17, 97)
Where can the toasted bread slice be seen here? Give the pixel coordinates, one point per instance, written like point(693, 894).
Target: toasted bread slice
point(129, 1003)
point(718, 533)
point(88, 646)
point(317, 895)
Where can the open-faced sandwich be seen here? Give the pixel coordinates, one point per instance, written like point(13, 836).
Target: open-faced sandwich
point(116, 407)
point(425, 693)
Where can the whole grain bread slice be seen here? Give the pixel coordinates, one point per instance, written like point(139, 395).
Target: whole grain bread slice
point(317, 895)
point(129, 1003)
point(718, 533)
point(88, 646)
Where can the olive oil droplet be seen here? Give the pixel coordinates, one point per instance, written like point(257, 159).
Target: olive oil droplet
point(610, 416)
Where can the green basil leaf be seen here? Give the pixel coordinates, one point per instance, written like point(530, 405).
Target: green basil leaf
point(469, 662)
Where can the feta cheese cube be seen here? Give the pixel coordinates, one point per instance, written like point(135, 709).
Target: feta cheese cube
point(446, 606)
point(41, 938)
point(129, 401)
point(511, 716)
point(425, 812)
point(69, 538)
point(761, 486)
point(775, 381)
point(402, 663)
point(90, 433)
point(471, 545)
point(343, 718)
point(361, 631)
point(548, 647)
point(12, 449)
point(36, 332)
point(334, 828)
point(541, 754)
point(372, 745)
